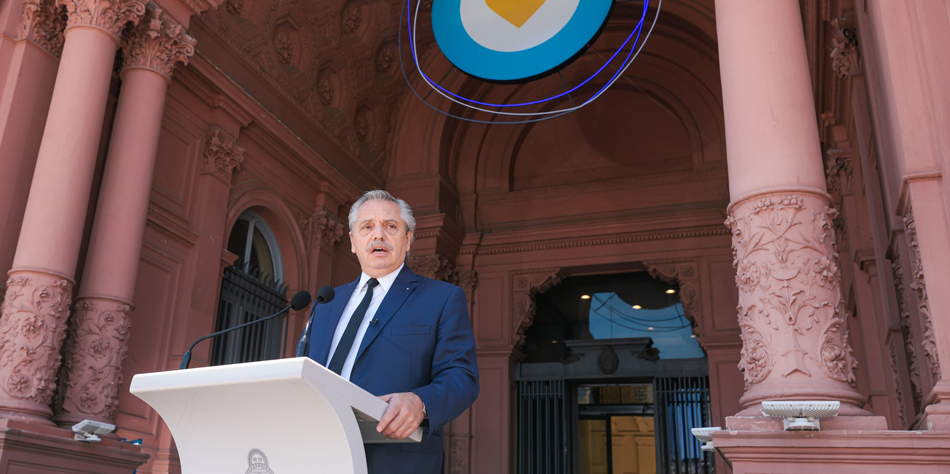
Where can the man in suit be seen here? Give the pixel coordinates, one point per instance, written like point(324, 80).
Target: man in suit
point(404, 338)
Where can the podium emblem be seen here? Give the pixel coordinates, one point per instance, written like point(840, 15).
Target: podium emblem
point(257, 462)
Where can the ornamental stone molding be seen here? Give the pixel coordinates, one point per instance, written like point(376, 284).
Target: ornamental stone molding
point(44, 24)
point(895, 374)
point(235, 7)
point(791, 309)
point(94, 355)
point(467, 279)
point(910, 350)
point(919, 285)
point(434, 266)
point(846, 59)
point(109, 16)
point(222, 154)
point(323, 228)
point(685, 274)
point(839, 171)
point(524, 287)
point(158, 44)
point(32, 329)
point(352, 18)
point(329, 229)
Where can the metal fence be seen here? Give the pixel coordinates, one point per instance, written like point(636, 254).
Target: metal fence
point(248, 296)
point(681, 403)
point(543, 427)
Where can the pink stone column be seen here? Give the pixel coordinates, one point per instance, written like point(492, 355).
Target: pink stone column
point(98, 342)
point(791, 309)
point(39, 290)
point(27, 87)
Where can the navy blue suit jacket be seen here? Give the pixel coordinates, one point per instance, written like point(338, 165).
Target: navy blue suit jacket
point(422, 343)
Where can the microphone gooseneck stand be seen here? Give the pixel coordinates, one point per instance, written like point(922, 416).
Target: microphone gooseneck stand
point(298, 302)
point(325, 295)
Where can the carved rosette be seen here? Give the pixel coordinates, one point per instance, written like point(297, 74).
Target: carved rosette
point(222, 154)
point(94, 354)
point(923, 301)
point(524, 288)
point(791, 310)
point(846, 60)
point(109, 16)
point(33, 325)
point(44, 24)
point(158, 45)
point(434, 266)
point(686, 276)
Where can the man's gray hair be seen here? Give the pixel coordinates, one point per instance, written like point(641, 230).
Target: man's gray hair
point(405, 212)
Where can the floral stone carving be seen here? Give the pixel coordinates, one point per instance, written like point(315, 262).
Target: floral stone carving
point(791, 309)
point(523, 291)
point(32, 329)
point(43, 23)
point(919, 285)
point(94, 359)
point(110, 16)
point(222, 154)
point(158, 45)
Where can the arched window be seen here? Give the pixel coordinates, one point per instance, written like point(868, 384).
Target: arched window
point(251, 289)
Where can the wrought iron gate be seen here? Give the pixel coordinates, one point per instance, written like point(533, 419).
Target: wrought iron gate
point(247, 297)
point(681, 403)
point(543, 426)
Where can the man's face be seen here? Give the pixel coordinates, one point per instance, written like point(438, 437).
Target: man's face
point(379, 238)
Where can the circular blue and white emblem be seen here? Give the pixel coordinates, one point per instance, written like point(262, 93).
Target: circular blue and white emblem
point(512, 40)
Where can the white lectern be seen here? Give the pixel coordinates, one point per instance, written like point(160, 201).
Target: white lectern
point(282, 416)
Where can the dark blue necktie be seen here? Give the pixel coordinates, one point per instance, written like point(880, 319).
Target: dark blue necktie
point(349, 335)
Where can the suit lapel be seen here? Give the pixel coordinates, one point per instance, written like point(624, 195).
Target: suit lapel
point(332, 320)
point(404, 285)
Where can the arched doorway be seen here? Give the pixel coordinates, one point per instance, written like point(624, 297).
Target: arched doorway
point(612, 380)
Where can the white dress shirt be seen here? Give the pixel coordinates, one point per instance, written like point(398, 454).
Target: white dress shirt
point(385, 282)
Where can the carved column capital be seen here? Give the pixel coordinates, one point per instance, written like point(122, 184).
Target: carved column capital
point(94, 355)
point(222, 154)
point(33, 325)
point(524, 288)
point(43, 23)
point(158, 44)
point(686, 275)
point(110, 16)
point(846, 59)
point(791, 308)
point(329, 229)
point(434, 266)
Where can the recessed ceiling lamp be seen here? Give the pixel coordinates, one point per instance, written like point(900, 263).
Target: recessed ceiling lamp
point(636, 306)
point(650, 328)
point(670, 291)
point(585, 297)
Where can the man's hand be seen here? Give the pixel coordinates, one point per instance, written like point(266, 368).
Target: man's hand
point(402, 417)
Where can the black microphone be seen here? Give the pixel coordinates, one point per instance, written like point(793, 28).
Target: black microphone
point(297, 303)
point(325, 295)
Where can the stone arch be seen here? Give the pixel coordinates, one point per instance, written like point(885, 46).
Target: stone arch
point(281, 221)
